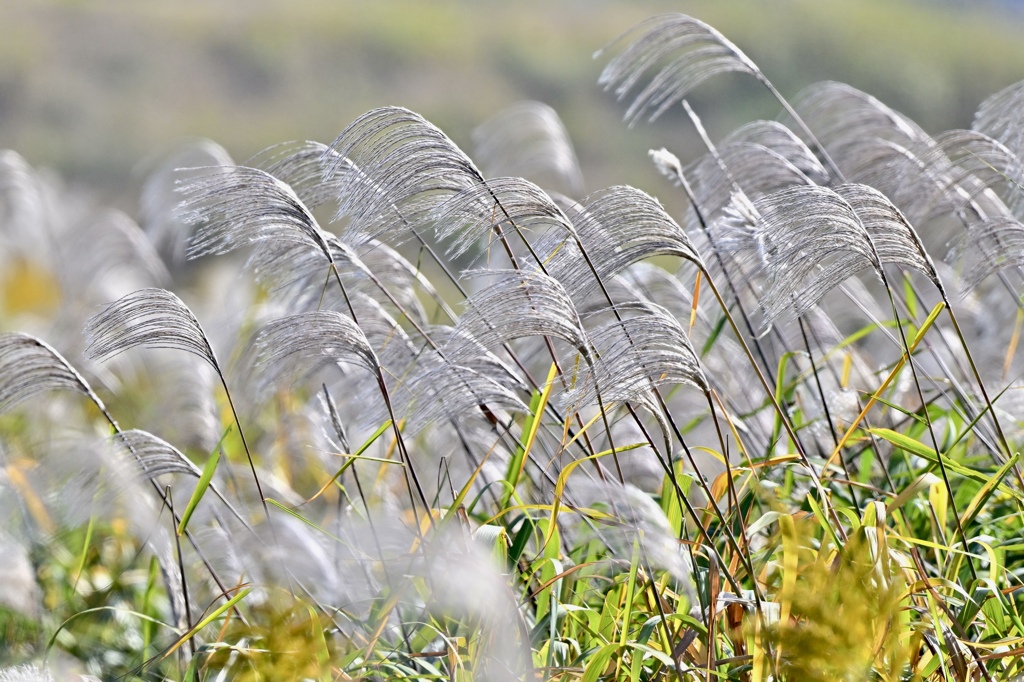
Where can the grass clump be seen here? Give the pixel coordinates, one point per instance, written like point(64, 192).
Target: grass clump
point(483, 431)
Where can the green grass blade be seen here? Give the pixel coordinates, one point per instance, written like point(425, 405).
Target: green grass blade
point(204, 482)
point(206, 621)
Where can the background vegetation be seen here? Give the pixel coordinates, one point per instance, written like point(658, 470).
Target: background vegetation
point(93, 88)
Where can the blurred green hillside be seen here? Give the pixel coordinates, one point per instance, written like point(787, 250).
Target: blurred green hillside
point(91, 88)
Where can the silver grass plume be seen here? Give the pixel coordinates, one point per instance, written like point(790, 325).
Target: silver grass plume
point(19, 591)
point(188, 413)
point(759, 169)
point(645, 281)
point(324, 334)
point(303, 165)
point(811, 241)
point(157, 318)
point(110, 251)
point(405, 166)
point(894, 239)
point(158, 199)
point(636, 517)
point(154, 318)
point(156, 457)
point(528, 140)
point(519, 304)
point(26, 673)
point(493, 207)
point(668, 164)
point(616, 227)
point(22, 202)
point(952, 174)
point(382, 331)
point(684, 52)
point(439, 388)
point(394, 351)
point(982, 163)
point(988, 247)
point(30, 366)
point(300, 273)
point(428, 377)
point(403, 279)
point(1001, 116)
point(855, 126)
point(717, 177)
point(473, 354)
point(636, 354)
point(783, 141)
point(235, 206)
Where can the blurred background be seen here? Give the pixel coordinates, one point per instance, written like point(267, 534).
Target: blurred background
point(91, 88)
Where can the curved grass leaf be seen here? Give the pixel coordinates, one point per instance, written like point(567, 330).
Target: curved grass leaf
point(205, 479)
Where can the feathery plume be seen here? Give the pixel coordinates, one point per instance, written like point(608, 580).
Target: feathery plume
point(517, 305)
point(30, 366)
point(684, 52)
point(811, 241)
point(406, 165)
point(155, 318)
point(235, 206)
point(528, 140)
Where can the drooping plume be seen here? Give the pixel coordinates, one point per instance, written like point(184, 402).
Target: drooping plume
point(235, 206)
point(155, 318)
point(30, 366)
point(528, 140)
point(810, 240)
point(406, 165)
point(617, 227)
point(894, 239)
point(636, 354)
point(517, 305)
point(697, 52)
